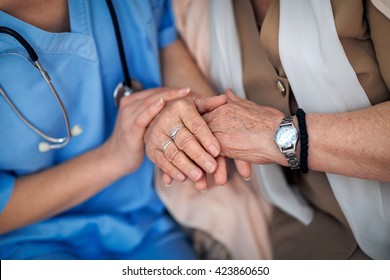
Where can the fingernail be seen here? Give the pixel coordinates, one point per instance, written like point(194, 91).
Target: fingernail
point(159, 103)
point(167, 185)
point(213, 150)
point(210, 167)
point(204, 190)
point(247, 179)
point(184, 91)
point(196, 174)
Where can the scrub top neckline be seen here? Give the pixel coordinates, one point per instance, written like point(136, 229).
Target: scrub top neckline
point(78, 40)
point(78, 19)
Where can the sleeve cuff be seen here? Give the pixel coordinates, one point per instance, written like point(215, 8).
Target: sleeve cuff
point(167, 37)
point(7, 182)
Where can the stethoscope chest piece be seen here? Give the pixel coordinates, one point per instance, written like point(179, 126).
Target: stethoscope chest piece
point(123, 90)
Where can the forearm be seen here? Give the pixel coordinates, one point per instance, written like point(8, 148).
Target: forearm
point(180, 70)
point(47, 193)
point(353, 144)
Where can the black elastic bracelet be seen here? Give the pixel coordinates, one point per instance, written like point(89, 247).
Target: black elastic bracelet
point(301, 115)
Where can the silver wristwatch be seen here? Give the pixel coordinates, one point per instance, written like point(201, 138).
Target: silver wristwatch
point(286, 137)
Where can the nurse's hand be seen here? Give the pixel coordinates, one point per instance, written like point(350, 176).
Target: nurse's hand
point(125, 147)
point(179, 141)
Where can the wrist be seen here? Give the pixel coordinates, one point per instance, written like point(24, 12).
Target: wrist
point(268, 151)
point(286, 139)
point(112, 162)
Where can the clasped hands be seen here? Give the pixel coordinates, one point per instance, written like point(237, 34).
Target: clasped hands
point(191, 136)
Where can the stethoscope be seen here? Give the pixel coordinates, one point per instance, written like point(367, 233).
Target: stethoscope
point(124, 88)
point(128, 85)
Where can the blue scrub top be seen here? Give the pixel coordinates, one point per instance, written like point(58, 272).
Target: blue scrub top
point(126, 220)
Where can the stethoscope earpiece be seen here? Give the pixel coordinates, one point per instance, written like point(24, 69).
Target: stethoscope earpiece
point(76, 130)
point(44, 147)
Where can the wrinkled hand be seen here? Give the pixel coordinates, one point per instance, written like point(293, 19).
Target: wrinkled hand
point(125, 146)
point(179, 141)
point(245, 130)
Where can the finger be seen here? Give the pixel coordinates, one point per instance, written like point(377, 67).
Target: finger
point(186, 142)
point(146, 116)
point(207, 117)
point(173, 94)
point(167, 179)
point(140, 95)
point(231, 96)
point(220, 175)
point(158, 157)
point(154, 98)
point(151, 96)
point(201, 185)
point(205, 105)
point(244, 169)
point(198, 128)
point(170, 92)
point(181, 161)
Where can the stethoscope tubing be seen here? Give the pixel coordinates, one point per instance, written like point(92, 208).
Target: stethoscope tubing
point(30, 50)
point(122, 54)
point(123, 89)
point(55, 143)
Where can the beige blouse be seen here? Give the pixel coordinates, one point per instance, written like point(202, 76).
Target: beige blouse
point(364, 32)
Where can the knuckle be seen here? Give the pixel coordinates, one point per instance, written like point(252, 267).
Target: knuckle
point(185, 141)
point(138, 122)
point(153, 111)
point(124, 126)
point(160, 162)
point(171, 153)
point(125, 101)
point(167, 167)
point(153, 153)
point(178, 104)
point(149, 151)
point(126, 111)
point(170, 169)
point(149, 101)
point(197, 126)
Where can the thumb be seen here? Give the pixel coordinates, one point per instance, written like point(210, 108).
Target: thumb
point(231, 95)
point(205, 105)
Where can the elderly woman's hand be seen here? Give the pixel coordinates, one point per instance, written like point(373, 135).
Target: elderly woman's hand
point(246, 130)
point(179, 141)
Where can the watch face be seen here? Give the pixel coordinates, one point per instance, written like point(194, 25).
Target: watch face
point(286, 137)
